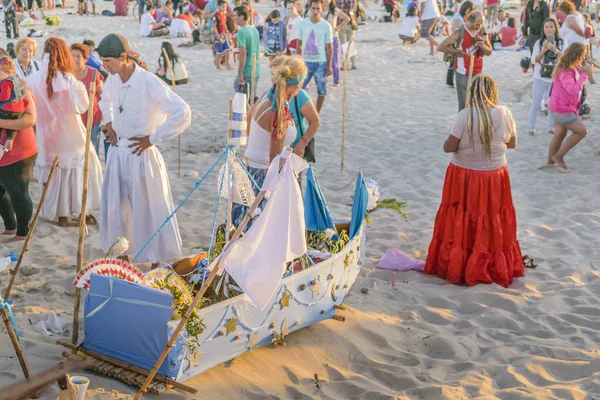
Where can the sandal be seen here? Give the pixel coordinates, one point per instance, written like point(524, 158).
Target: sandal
point(528, 261)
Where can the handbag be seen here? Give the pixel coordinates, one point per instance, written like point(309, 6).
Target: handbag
point(309, 151)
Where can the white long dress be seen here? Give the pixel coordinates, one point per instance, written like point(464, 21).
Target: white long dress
point(136, 194)
point(60, 132)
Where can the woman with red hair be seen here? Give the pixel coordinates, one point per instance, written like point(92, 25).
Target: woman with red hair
point(60, 99)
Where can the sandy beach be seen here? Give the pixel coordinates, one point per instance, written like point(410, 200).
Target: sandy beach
point(423, 338)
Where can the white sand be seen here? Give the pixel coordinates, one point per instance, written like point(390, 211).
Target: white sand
point(424, 339)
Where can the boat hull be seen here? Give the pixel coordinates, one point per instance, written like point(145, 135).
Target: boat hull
point(233, 327)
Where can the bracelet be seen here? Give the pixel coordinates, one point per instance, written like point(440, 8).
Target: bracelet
point(305, 141)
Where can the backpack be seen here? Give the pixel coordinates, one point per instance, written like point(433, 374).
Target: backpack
point(548, 62)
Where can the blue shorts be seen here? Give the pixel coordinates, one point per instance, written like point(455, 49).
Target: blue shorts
point(319, 71)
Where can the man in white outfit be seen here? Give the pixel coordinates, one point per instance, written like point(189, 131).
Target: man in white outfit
point(140, 111)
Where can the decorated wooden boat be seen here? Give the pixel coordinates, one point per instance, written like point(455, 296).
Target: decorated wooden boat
point(132, 323)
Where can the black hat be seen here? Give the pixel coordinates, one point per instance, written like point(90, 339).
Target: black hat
point(113, 45)
point(525, 62)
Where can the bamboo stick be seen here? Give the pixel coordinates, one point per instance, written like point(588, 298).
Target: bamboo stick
point(469, 81)
point(168, 62)
point(345, 91)
point(252, 88)
point(25, 248)
point(135, 370)
point(84, 198)
point(15, 342)
point(199, 295)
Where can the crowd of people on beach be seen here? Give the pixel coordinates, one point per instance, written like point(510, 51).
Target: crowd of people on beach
point(474, 237)
point(134, 110)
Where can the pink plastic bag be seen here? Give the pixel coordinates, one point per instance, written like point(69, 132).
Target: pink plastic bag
point(396, 260)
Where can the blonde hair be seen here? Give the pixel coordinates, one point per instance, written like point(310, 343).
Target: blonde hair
point(23, 41)
point(572, 56)
point(278, 61)
point(482, 96)
point(292, 67)
point(566, 6)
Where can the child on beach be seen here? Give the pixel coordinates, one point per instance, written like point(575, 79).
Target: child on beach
point(409, 33)
point(293, 27)
point(275, 36)
point(570, 73)
point(12, 97)
point(220, 35)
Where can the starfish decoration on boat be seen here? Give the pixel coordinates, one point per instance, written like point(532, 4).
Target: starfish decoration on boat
point(285, 300)
point(231, 326)
point(316, 288)
point(252, 340)
point(194, 358)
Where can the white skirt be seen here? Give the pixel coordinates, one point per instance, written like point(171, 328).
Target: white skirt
point(136, 200)
point(63, 198)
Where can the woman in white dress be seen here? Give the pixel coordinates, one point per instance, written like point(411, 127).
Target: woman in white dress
point(60, 99)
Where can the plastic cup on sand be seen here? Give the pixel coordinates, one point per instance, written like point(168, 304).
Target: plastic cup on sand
point(82, 384)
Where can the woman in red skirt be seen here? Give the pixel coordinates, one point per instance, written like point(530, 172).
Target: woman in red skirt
point(475, 233)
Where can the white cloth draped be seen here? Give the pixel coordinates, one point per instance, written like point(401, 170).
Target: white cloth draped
point(136, 195)
point(60, 132)
point(258, 260)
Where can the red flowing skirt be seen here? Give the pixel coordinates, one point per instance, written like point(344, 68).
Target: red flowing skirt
point(475, 233)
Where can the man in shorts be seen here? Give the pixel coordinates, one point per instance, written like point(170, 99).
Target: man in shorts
point(83, 7)
point(315, 45)
point(429, 15)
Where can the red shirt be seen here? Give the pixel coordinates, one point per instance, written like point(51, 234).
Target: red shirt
point(220, 22)
point(462, 64)
point(6, 90)
point(187, 19)
point(24, 145)
point(508, 36)
point(200, 4)
point(87, 81)
point(121, 7)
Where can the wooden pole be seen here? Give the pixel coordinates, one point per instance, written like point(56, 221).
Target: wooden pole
point(252, 88)
point(15, 342)
point(127, 366)
point(199, 295)
point(469, 81)
point(168, 62)
point(344, 103)
point(84, 198)
point(25, 248)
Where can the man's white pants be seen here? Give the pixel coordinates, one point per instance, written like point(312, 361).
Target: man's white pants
point(136, 200)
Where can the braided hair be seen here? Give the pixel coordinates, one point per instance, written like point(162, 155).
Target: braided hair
point(482, 96)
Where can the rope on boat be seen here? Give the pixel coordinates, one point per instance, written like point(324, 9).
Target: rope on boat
point(196, 186)
point(247, 172)
point(336, 189)
point(214, 223)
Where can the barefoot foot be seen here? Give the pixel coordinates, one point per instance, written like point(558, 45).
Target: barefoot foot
point(558, 160)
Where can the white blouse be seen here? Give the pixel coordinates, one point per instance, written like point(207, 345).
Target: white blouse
point(143, 106)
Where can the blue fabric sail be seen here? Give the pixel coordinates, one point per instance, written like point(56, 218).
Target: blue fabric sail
point(316, 212)
point(359, 207)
